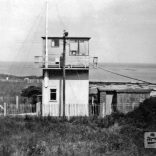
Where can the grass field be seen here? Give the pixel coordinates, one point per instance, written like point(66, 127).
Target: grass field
point(115, 135)
point(51, 136)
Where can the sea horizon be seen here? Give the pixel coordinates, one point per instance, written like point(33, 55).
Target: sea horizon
point(143, 71)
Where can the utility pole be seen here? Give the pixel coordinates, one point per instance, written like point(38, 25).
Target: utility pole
point(46, 50)
point(64, 72)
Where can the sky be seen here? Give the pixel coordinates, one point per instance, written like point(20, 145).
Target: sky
point(121, 31)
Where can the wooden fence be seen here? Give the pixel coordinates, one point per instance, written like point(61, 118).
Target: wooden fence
point(70, 110)
point(77, 110)
point(94, 109)
point(20, 109)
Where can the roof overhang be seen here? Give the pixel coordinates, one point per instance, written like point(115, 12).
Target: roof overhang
point(68, 38)
point(128, 90)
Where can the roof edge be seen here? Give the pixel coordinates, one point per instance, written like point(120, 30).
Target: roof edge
point(126, 90)
point(68, 38)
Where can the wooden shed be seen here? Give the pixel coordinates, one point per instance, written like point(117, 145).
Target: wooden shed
point(120, 100)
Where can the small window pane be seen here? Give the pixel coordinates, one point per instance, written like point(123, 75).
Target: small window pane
point(79, 48)
point(74, 46)
point(83, 48)
point(52, 94)
point(55, 43)
point(52, 43)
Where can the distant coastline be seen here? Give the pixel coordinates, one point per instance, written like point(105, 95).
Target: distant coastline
point(145, 71)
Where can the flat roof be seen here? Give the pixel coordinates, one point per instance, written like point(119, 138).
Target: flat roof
point(68, 38)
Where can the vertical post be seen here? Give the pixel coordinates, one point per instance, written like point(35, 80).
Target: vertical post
point(95, 62)
point(5, 109)
point(64, 72)
point(17, 102)
point(46, 50)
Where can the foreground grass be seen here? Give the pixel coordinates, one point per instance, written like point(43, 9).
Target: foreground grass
point(51, 136)
point(115, 135)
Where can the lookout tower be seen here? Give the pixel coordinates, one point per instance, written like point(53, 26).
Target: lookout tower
point(76, 66)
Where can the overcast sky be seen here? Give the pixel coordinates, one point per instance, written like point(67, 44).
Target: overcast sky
point(120, 30)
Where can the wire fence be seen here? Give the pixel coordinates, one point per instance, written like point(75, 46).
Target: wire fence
point(21, 109)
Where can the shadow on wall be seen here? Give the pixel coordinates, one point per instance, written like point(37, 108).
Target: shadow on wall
point(145, 113)
point(144, 117)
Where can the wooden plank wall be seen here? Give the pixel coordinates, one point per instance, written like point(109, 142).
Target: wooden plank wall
point(70, 110)
point(102, 101)
point(127, 102)
point(122, 102)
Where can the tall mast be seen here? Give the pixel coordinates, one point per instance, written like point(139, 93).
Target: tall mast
point(46, 53)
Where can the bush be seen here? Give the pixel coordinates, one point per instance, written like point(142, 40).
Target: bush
point(109, 120)
point(143, 116)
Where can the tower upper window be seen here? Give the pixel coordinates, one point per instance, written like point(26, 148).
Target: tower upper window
point(79, 48)
point(55, 43)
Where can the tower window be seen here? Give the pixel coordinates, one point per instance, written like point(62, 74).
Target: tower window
point(78, 48)
point(53, 94)
point(55, 43)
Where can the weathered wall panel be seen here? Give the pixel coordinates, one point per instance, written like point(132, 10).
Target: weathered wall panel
point(121, 101)
point(102, 100)
point(127, 102)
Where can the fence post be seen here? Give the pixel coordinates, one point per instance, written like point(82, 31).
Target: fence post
point(17, 99)
point(68, 109)
point(17, 104)
point(5, 109)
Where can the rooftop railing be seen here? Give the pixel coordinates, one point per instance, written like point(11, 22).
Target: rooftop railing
point(55, 61)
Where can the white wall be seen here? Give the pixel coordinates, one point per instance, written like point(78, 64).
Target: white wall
point(46, 103)
point(77, 93)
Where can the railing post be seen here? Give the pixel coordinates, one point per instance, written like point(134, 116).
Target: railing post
point(17, 99)
point(5, 109)
point(17, 103)
point(38, 108)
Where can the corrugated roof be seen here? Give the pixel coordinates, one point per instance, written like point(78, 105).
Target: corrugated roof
point(125, 90)
point(134, 91)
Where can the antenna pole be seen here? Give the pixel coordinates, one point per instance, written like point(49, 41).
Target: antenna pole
point(46, 53)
